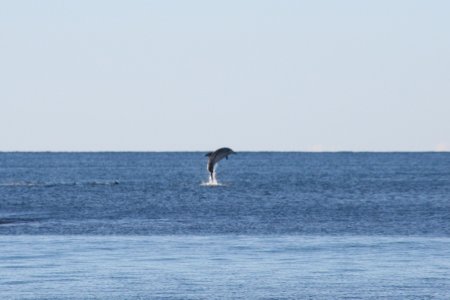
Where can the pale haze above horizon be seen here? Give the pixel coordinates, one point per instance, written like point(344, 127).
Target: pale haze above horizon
point(250, 75)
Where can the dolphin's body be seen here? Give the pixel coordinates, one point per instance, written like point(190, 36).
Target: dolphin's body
point(215, 157)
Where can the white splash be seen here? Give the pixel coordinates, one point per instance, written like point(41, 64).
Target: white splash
point(212, 181)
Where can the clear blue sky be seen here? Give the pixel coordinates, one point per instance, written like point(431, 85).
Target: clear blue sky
point(251, 75)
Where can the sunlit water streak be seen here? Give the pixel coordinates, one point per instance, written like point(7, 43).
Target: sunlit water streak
point(224, 267)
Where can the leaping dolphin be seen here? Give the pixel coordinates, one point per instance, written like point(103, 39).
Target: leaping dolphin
point(215, 157)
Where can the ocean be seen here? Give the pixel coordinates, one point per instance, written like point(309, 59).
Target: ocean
point(280, 225)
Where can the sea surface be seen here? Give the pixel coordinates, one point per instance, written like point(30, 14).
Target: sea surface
point(280, 225)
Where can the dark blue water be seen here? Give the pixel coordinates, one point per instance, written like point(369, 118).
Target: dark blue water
point(280, 225)
point(262, 193)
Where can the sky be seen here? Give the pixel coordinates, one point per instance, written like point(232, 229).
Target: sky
point(199, 75)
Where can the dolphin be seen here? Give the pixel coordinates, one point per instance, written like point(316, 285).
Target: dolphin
point(215, 157)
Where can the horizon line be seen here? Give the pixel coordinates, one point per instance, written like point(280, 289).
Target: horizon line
point(195, 151)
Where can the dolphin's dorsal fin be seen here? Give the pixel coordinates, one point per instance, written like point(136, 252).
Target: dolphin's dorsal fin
point(208, 154)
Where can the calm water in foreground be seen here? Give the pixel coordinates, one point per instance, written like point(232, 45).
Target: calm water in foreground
point(281, 225)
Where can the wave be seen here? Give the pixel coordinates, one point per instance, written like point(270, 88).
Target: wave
point(52, 184)
point(17, 220)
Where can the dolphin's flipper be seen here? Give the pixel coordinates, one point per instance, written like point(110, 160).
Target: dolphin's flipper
point(226, 157)
point(208, 154)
